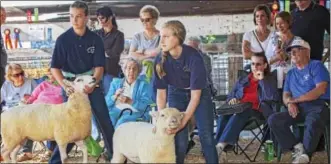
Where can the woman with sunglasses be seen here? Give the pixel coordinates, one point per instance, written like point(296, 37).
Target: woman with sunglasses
point(144, 45)
point(15, 89)
point(257, 88)
point(180, 70)
point(113, 41)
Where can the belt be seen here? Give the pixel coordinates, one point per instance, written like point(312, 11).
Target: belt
point(71, 75)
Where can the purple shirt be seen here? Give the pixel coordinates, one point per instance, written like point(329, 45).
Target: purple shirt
point(188, 71)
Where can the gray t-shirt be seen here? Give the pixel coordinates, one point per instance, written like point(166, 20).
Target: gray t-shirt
point(140, 42)
point(3, 54)
point(13, 95)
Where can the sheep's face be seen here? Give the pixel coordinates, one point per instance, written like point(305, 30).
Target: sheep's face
point(80, 82)
point(168, 118)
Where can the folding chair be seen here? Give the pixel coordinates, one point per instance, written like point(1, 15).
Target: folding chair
point(141, 118)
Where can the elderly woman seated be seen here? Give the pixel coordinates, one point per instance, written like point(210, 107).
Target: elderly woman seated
point(14, 90)
point(17, 87)
point(259, 86)
point(129, 92)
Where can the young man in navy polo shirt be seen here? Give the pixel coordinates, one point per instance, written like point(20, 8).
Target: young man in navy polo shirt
point(79, 51)
point(306, 91)
point(310, 21)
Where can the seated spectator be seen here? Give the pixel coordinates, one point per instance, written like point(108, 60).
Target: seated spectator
point(257, 87)
point(129, 90)
point(48, 92)
point(306, 90)
point(15, 89)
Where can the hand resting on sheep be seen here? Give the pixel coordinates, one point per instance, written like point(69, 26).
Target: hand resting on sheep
point(65, 123)
point(137, 142)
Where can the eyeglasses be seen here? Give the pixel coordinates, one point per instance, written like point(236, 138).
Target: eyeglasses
point(145, 20)
point(18, 74)
point(257, 64)
point(294, 51)
point(101, 17)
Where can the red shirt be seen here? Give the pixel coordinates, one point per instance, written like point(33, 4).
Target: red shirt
point(250, 92)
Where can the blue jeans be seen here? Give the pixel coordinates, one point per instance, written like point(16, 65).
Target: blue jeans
point(51, 145)
point(107, 79)
point(313, 114)
point(204, 116)
point(100, 112)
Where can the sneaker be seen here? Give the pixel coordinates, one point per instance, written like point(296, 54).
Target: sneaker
point(303, 158)
point(222, 155)
point(298, 150)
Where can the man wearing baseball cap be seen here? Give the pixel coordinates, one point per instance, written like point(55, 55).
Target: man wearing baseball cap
point(306, 91)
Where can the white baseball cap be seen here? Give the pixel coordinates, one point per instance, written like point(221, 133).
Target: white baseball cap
point(298, 42)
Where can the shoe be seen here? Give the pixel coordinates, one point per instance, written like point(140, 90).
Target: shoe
point(191, 144)
point(222, 155)
point(24, 157)
point(303, 158)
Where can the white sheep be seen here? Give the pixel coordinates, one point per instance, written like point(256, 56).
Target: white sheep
point(137, 142)
point(65, 123)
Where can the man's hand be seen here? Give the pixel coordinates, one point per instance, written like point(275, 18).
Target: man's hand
point(89, 90)
point(234, 101)
point(69, 90)
point(293, 110)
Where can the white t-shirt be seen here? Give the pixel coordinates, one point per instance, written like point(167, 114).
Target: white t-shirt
point(128, 89)
point(255, 46)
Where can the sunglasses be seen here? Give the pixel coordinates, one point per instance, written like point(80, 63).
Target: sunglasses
point(257, 64)
point(18, 75)
point(145, 20)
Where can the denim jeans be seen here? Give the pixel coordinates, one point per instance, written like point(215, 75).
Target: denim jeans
point(100, 112)
point(107, 79)
point(204, 116)
point(27, 148)
point(314, 114)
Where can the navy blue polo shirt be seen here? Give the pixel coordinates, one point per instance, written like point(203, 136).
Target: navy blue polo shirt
point(310, 24)
point(188, 71)
point(78, 54)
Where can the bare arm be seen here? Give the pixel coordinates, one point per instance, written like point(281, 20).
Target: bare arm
point(246, 49)
point(139, 55)
point(314, 94)
point(161, 98)
point(286, 97)
point(57, 73)
point(193, 104)
point(98, 73)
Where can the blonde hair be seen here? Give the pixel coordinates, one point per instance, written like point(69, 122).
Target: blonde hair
point(10, 68)
point(152, 10)
point(179, 31)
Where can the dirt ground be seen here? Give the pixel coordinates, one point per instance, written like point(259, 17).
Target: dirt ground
point(195, 156)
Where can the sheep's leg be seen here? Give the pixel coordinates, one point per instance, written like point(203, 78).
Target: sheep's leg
point(63, 153)
point(118, 158)
point(5, 154)
point(13, 154)
point(84, 149)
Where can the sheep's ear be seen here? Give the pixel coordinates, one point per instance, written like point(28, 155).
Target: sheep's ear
point(182, 115)
point(154, 114)
point(67, 82)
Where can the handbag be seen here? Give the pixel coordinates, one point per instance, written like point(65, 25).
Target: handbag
point(227, 109)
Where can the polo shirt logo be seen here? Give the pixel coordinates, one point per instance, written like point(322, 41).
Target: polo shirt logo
point(306, 77)
point(186, 69)
point(90, 50)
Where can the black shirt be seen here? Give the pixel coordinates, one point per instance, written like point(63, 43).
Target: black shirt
point(310, 24)
point(113, 42)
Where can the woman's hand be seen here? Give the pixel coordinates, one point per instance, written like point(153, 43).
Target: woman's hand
point(119, 91)
point(181, 126)
point(234, 101)
point(125, 100)
point(152, 53)
point(280, 54)
point(259, 75)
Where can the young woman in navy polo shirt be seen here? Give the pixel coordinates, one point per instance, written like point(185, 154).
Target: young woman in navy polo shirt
point(180, 69)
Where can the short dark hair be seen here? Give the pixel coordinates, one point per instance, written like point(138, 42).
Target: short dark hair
point(80, 5)
point(265, 60)
point(264, 8)
point(107, 12)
